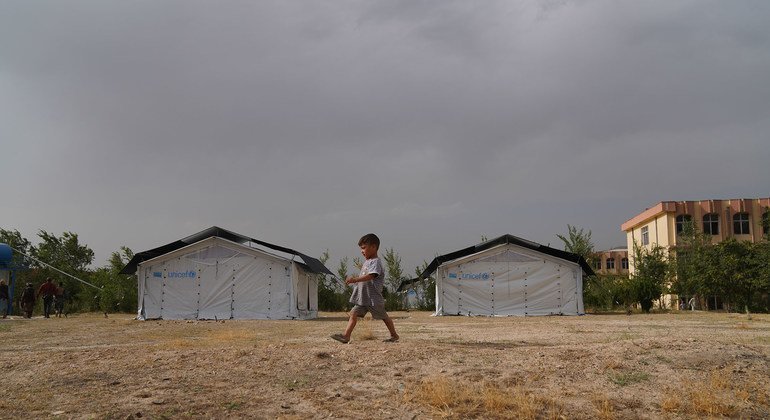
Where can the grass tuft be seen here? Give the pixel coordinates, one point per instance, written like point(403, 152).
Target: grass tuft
point(719, 393)
point(365, 332)
point(628, 378)
point(604, 408)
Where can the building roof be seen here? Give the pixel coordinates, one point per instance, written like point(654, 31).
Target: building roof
point(313, 264)
point(671, 207)
point(505, 239)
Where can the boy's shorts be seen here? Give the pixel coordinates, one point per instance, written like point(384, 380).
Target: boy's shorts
point(378, 312)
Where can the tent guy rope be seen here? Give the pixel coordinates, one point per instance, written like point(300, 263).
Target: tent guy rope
point(56, 269)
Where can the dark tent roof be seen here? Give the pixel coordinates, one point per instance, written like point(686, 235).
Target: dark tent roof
point(505, 239)
point(312, 264)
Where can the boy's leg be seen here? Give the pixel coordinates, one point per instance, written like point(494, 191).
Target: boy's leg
point(391, 327)
point(351, 324)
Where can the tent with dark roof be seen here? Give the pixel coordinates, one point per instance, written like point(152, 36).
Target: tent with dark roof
point(219, 274)
point(507, 276)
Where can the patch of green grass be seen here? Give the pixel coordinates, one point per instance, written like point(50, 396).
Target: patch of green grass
point(4, 328)
point(628, 378)
point(232, 405)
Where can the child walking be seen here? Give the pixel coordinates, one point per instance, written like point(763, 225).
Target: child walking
point(367, 290)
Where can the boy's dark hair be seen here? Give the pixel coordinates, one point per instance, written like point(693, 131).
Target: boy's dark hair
point(369, 239)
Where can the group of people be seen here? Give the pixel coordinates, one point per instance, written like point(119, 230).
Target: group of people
point(53, 298)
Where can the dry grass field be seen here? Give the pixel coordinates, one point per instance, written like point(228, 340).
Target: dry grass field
point(684, 365)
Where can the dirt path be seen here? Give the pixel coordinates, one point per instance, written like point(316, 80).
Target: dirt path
point(608, 366)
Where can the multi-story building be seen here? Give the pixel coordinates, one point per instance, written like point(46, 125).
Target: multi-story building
point(745, 219)
point(612, 261)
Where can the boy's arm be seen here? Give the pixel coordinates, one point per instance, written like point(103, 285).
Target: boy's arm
point(368, 277)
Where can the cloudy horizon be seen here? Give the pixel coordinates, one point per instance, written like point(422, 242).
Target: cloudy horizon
point(430, 123)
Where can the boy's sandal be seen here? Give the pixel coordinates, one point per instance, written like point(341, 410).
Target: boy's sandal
point(390, 340)
point(340, 338)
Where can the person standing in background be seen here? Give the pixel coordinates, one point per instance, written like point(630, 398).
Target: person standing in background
point(4, 297)
point(47, 291)
point(27, 301)
point(58, 299)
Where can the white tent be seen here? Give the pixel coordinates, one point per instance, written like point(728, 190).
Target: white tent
point(508, 276)
point(215, 277)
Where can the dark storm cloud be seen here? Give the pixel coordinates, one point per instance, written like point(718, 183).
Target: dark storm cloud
point(310, 123)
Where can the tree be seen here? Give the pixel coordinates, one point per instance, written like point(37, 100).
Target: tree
point(740, 272)
point(67, 254)
point(22, 246)
point(394, 276)
point(690, 262)
point(425, 289)
point(329, 291)
point(648, 283)
point(342, 268)
point(761, 273)
point(578, 242)
point(393, 272)
point(119, 291)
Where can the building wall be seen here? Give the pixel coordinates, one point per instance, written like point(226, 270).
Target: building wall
point(617, 255)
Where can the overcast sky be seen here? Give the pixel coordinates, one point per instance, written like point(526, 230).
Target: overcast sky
point(431, 123)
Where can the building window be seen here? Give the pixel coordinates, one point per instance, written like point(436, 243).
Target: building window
point(598, 264)
point(741, 223)
point(645, 235)
point(610, 264)
point(624, 264)
point(681, 221)
point(711, 224)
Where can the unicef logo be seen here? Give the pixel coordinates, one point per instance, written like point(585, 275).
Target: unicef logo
point(182, 274)
point(475, 276)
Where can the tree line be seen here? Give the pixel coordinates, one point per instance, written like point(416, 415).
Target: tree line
point(111, 291)
point(731, 275)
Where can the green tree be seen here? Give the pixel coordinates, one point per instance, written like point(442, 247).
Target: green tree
point(578, 242)
point(648, 283)
point(425, 289)
point(606, 292)
point(326, 287)
point(761, 273)
point(739, 271)
point(342, 268)
point(394, 274)
point(690, 261)
point(331, 291)
point(118, 292)
point(68, 255)
point(14, 239)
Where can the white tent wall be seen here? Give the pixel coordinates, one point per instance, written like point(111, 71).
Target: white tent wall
point(509, 280)
point(219, 279)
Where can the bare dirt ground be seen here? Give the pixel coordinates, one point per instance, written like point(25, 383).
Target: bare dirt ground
point(682, 365)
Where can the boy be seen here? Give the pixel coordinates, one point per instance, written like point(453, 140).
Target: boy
point(367, 290)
